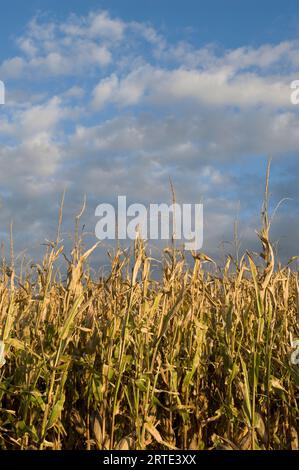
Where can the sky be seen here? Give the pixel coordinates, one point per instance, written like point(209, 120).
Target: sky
point(108, 98)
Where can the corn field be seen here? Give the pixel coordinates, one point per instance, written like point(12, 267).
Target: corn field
point(199, 359)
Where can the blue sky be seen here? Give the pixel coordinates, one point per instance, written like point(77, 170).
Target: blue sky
point(114, 97)
point(231, 23)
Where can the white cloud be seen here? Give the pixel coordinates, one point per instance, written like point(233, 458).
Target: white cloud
point(105, 91)
point(12, 68)
point(223, 89)
point(101, 25)
point(262, 57)
point(36, 157)
point(74, 92)
point(36, 119)
point(64, 49)
point(123, 92)
point(27, 46)
point(211, 87)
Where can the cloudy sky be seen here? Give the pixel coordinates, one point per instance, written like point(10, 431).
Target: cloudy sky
point(109, 98)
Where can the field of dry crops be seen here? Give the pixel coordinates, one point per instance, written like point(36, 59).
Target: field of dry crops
point(199, 359)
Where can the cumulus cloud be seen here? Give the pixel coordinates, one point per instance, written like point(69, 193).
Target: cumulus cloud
point(35, 119)
point(218, 87)
point(64, 48)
